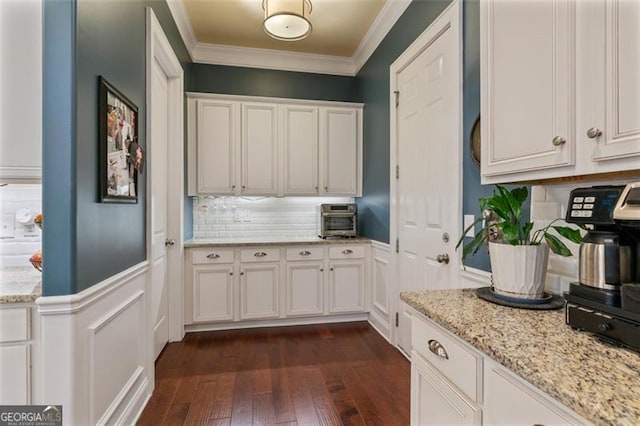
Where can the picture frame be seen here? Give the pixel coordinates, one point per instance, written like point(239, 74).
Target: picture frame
point(120, 155)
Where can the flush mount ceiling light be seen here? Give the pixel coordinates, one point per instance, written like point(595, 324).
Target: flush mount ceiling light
point(287, 20)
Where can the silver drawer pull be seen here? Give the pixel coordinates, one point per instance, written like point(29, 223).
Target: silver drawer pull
point(260, 254)
point(437, 348)
point(304, 253)
point(347, 251)
point(213, 256)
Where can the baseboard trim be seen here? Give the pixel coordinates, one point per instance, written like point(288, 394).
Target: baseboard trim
point(277, 323)
point(380, 326)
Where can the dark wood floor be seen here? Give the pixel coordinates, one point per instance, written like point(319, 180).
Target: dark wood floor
point(327, 374)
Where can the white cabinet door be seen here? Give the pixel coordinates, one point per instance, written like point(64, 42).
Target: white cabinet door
point(339, 133)
point(614, 62)
point(346, 287)
point(508, 401)
point(527, 85)
point(14, 370)
point(259, 291)
point(217, 135)
point(300, 150)
point(21, 99)
point(434, 401)
point(259, 149)
point(305, 288)
point(213, 293)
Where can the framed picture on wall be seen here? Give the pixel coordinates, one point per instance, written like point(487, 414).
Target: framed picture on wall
point(120, 155)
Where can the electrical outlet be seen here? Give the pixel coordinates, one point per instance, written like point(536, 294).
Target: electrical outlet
point(7, 226)
point(468, 221)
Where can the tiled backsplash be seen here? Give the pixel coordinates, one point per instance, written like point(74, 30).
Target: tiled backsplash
point(17, 241)
point(549, 203)
point(241, 217)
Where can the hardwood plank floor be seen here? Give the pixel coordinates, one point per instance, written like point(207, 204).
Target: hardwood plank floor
point(327, 374)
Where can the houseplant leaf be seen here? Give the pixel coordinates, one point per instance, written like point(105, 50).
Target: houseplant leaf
point(557, 246)
point(570, 234)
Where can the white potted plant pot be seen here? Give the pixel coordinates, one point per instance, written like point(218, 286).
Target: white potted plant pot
point(519, 271)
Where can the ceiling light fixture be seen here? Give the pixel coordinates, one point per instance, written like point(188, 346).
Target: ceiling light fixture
point(287, 20)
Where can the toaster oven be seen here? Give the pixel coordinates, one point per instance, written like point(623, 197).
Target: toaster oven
point(337, 220)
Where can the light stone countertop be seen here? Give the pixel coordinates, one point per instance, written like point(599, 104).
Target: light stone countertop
point(20, 284)
point(271, 241)
point(596, 380)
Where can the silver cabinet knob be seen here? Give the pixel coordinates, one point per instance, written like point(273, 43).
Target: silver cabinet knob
point(442, 258)
point(559, 140)
point(169, 243)
point(437, 348)
point(594, 132)
point(260, 254)
point(213, 256)
point(304, 253)
point(347, 251)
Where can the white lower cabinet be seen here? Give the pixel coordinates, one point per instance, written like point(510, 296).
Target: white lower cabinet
point(436, 402)
point(346, 286)
point(453, 383)
point(274, 283)
point(213, 291)
point(509, 400)
point(259, 291)
point(18, 338)
point(305, 288)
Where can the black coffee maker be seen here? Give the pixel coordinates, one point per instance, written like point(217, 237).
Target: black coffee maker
point(601, 302)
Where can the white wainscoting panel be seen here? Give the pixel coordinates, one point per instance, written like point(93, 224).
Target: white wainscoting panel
point(380, 314)
point(98, 346)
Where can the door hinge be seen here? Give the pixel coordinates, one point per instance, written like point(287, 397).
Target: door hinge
point(398, 171)
point(397, 319)
point(397, 245)
point(397, 93)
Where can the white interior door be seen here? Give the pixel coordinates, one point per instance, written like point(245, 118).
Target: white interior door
point(427, 146)
point(158, 172)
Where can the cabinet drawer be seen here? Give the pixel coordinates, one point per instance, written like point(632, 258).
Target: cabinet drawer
point(461, 366)
point(14, 325)
point(346, 252)
point(260, 255)
point(212, 255)
point(304, 253)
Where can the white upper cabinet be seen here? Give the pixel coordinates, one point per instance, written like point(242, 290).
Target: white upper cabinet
point(341, 157)
point(527, 85)
point(300, 150)
point(241, 145)
point(560, 88)
point(215, 162)
point(21, 93)
point(609, 89)
point(259, 149)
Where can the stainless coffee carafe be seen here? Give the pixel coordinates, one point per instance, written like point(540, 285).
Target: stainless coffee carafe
point(605, 260)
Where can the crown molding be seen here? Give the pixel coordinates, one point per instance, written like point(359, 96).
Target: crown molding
point(181, 18)
point(217, 54)
point(388, 16)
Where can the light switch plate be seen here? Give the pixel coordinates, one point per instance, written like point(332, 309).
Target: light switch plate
point(7, 226)
point(468, 221)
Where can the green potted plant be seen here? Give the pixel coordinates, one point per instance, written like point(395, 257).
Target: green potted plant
point(518, 255)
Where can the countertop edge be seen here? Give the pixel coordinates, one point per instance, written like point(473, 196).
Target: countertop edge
point(284, 242)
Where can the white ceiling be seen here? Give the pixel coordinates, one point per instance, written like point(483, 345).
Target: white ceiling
point(229, 32)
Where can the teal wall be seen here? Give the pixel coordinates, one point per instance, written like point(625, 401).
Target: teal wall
point(86, 241)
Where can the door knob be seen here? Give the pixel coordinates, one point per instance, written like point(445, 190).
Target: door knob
point(443, 258)
point(169, 243)
point(593, 133)
point(559, 140)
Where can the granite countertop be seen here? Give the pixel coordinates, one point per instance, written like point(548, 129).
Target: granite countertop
point(598, 381)
point(271, 241)
point(20, 284)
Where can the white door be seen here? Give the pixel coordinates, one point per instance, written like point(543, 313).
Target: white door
point(346, 287)
point(427, 148)
point(213, 293)
point(259, 293)
point(305, 289)
point(158, 172)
